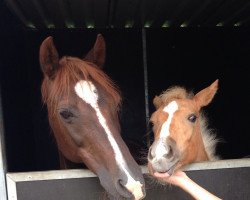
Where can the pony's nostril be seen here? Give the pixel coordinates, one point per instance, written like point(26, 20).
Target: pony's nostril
point(170, 153)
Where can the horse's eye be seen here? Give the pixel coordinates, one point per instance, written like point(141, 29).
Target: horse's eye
point(192, 118)
point(151, 123)
point(66, 114)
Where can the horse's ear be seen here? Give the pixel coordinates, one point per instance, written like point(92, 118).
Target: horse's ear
point(48, 56)
point(205, 96)
point(97, 54)
point(157, 102)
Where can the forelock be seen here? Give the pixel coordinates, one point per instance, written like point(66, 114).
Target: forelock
point(175, 92)
point(71, 71)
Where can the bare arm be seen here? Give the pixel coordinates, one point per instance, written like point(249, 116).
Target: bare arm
point(181, 180)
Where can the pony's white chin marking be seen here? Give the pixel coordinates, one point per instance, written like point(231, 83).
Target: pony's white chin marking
point(88, 93)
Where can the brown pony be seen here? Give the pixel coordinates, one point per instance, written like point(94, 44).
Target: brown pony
point(180, 131)
point(83, 106)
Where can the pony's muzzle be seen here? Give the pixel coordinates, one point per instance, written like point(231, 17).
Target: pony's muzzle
point(163, 155)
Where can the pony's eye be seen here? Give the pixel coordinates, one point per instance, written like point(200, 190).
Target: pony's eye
point(66, 114)
point(192, 118)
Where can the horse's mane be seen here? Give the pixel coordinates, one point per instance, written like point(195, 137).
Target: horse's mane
point(71, 70)
point(209, 138)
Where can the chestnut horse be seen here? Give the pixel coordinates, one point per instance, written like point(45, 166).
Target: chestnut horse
point(83, 105)
point(180, 131)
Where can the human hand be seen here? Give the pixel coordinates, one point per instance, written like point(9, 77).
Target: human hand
point(176, 179)
point(181, 180)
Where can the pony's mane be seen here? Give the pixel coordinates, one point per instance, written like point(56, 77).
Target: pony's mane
point(174, 92)
point(71, 70)
point(209, 138)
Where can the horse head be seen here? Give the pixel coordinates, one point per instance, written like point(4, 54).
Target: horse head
point(83, 105)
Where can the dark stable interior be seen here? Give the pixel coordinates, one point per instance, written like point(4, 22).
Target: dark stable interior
point(190, 57)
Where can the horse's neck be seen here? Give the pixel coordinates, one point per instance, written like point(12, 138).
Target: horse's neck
point(67, 164)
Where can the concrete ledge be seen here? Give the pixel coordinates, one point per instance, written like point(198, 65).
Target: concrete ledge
point(224, 178)
point(220, 164)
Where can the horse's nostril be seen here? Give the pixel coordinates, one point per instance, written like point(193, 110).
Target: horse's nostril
point(122, 190)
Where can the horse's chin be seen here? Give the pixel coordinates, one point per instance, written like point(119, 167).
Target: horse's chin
point(117, 196)
point(114, 192)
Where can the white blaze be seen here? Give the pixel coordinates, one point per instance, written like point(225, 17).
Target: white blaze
point(164, 133)
point(88, 93)
point(170, 109)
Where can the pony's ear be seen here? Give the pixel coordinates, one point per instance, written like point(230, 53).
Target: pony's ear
point(205, 96)
point(48, 56)
point(97, 54)
point(157, 102)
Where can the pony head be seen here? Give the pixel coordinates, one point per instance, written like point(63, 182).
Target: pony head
point(180, 134)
